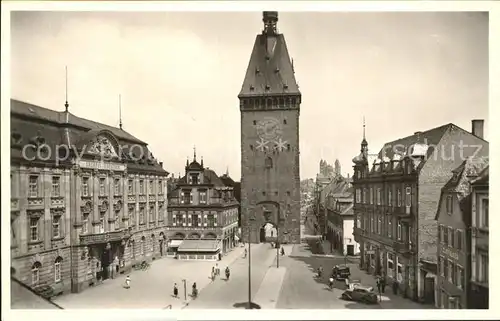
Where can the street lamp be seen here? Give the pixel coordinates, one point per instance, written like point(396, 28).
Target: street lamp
point(250, 219)
point(185, 289)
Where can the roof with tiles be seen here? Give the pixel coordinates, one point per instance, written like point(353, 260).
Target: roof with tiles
point(403, 145)
point(463, 176)
point(31, 124)
point(270, 69)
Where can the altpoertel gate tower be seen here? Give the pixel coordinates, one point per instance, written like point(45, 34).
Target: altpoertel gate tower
point(270, 108)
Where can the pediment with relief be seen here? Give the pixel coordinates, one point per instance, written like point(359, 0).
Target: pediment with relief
point(102, 146)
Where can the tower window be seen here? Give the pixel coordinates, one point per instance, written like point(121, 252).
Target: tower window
point(269, 162)
point(255, 122)
point(288, 147)
point(264, 193)
point(288, 193)
point(284, 121)
point(276, 193)
point(251, 147)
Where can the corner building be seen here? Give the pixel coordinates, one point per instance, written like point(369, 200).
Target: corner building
point(397, 194)
point(270, 108)
point(89, 213)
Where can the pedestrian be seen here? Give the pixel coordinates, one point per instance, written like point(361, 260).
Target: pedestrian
point(212, 274)
point(217, 270)
point(176, 291)
point(282, 251)
point(383, 282)
point(127, 282)
point(379, 287)
point(245, 255)
point(194, 293)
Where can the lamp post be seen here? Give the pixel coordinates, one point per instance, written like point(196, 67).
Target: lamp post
point(185, 289)
point(250, 220)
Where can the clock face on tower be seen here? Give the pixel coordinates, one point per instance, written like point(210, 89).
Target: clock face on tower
point(269, 129)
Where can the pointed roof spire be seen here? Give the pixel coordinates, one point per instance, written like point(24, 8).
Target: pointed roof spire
point(194, 153)
point(201, 161)
point(227, 170)
point(187, 161)
point(66, 104)
point(120, 109)
point(364, 142)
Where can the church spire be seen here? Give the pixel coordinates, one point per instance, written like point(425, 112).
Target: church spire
point(201, 161)
point(120, 109)
point(194, 154)
point(66, 104)
point(364, 143)
point(227, 170)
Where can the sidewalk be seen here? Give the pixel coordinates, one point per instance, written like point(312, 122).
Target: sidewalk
point(150, 289)
point(270, 288)
point(389, 299)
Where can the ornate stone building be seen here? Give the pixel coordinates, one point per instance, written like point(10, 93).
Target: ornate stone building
point(397, 194)
point(270, 108)
point(87, 199)
point(203, 215)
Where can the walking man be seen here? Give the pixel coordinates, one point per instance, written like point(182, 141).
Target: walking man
point(282, 251)
point(176, 291)
point(245, 255)
point(379, 287)
point(383, 282)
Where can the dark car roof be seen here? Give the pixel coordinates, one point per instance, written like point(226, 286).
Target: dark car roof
point(341, 267)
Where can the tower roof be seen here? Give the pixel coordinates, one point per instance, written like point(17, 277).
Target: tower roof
point(270, 70)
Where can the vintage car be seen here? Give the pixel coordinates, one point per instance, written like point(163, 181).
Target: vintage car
point(341, 272)
point(360, 293)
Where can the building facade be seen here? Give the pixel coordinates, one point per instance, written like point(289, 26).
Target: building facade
point(453, 248)
point(87, 200)
point(203, 215)
point(341, 223)
point(479, 241)
point(396, 198)
point(270, 169)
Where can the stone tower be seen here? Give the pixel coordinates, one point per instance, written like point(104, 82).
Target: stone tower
point(270, 107)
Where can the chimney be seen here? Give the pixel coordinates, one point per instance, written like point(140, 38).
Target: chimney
point(417, 133)
point(478, 128)
point(161, 164)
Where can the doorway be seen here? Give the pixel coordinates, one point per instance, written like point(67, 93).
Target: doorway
point(350, 250)
point(268, 233)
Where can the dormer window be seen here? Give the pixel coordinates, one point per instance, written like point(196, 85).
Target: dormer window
point(194, 179)
point(449, 204)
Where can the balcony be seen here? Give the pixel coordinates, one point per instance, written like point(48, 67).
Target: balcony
point(35, 202)
point(403, 247)
point(403, 212)
point(104, 237)
point(57, 202)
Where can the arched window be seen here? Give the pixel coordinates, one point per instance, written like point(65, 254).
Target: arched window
point(143, 244)
point(269, 162)
point(35, 273)
point(152, 242)
point(57, 269)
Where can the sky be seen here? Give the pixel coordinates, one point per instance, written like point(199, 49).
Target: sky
point(179, 74)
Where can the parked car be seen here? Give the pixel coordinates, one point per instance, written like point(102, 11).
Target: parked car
point(341, 272)
point(359, 293)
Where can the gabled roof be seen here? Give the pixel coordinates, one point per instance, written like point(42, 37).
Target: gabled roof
point(403, 145)
point(270, 70)
point(459, 183)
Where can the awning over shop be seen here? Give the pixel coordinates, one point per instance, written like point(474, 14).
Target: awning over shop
point(175, 243)
point(199, 246)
